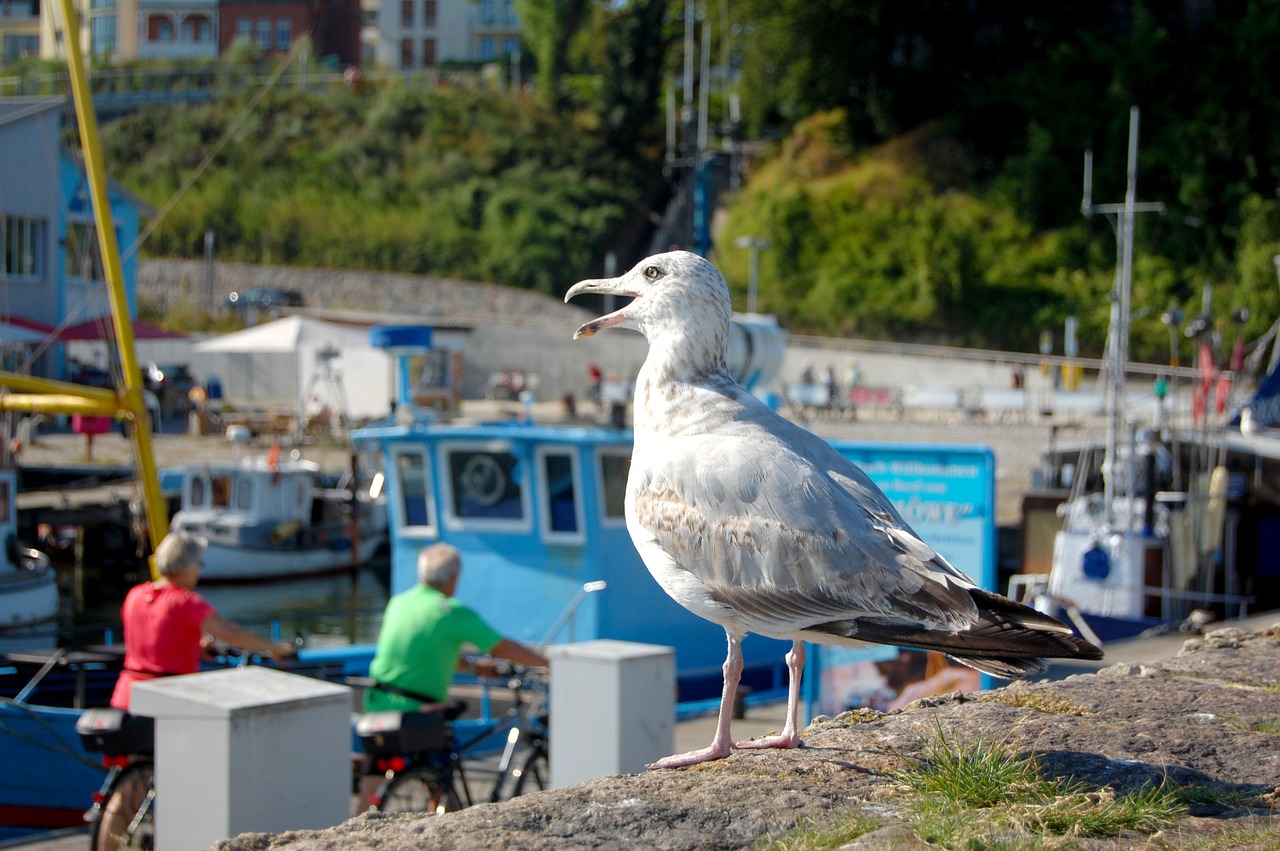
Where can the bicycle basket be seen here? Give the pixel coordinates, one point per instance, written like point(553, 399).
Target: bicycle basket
point(114, 731)
point(390, 733)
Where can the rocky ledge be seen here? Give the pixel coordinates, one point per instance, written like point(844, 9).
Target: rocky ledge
point(1206, 721)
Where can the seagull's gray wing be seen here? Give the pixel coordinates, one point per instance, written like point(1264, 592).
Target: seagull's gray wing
point(789, 534)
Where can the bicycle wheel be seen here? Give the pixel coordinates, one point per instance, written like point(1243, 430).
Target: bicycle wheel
point(127, 820)
point(419, 790)
point(533, 774)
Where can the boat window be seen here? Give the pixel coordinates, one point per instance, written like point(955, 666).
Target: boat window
point(4, 501)
point(244, 494)
point(220, 486)
point(197, 491)
point(485, 484)
point(559, 495)
point(413, 475)
point(614, 467)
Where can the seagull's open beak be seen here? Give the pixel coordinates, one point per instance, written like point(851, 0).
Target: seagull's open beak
point(603, 286)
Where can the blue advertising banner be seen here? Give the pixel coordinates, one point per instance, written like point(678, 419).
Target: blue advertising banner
point(947, 495)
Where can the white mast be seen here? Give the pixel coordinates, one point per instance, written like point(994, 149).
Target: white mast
point(1117, 354)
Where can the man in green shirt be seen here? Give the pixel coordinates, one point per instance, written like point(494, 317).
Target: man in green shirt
point(420, 643)
point(423, 632)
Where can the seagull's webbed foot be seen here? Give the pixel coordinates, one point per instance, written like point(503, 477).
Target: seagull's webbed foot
point(697, 757)
point(785, 739)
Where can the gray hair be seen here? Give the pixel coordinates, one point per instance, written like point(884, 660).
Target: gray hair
point(178, 552)
point(438, 565)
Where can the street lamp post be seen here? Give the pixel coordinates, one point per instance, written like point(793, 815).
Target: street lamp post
point(756, 244)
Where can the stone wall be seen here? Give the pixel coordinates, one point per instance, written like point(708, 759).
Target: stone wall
point(1202, 721)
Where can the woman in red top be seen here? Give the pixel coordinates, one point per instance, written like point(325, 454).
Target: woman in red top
point(166, 621)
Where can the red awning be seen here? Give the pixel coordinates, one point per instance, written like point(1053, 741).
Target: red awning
point(29, 324)
point(101, 328)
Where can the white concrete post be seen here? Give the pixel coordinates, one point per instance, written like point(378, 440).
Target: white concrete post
point(613, 708)
point(246, 749)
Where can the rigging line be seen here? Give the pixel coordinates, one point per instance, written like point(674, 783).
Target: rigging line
point(226, 137)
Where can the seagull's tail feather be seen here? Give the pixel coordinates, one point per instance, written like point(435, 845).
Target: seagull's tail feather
point(1008, 640)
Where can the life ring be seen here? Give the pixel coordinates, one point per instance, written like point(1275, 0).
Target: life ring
point(482, 479)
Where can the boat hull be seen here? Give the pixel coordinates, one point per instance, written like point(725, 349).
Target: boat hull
point(240, 564)
point(49, 779)
point(28, 601)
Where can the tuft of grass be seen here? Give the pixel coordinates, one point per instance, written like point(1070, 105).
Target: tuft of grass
point(1218, 795)
point(978, 777)
point(1260, 725)
point(984, 796)
point(1099, 815)
point(818, 838)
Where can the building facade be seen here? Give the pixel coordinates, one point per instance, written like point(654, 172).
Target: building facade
point(51, 272)
point(119, 31)
point(415, 34)
point(19, 30)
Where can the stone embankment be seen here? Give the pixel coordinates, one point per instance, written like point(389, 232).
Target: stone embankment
point(1203, 721)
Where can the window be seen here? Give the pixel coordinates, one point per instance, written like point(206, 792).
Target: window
point(5, 511)
point(244, 494)
point(24, 245)
point(284, 33)
point(19, 46)
point(486, 48)
point(406, 53)
point(102, 34)
point(244, 28)
point(429, 14)
point(510, 46)
point(429, 60)
point(159, 28)
point(197, 497)
point(220, 487)
point(264, 34)
point(413, 474)
point(204, 28)
point(84, 260)
point(487, 13)
point(614, 467)
point(558, 495)
point(486, 486)
point(406, 14)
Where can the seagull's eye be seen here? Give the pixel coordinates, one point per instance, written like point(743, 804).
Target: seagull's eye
point(651, 273)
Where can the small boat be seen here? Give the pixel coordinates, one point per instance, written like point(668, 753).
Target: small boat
point(271, 517)
point(1168, 526)
point(28, 584)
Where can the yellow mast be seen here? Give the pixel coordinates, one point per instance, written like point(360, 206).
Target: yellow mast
point(64, 397)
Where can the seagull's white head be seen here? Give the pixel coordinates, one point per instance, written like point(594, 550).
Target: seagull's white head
point(680, 300)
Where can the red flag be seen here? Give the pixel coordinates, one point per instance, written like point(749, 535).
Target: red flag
point(1200, 401)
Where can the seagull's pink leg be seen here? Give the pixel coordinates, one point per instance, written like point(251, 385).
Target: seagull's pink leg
point(790, 735)
point(722, 744)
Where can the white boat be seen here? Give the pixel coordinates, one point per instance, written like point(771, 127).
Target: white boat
point(1165, 527)
point(28, 584)
point(271, 517)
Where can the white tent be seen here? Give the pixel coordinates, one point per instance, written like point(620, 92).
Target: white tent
point(286, 360)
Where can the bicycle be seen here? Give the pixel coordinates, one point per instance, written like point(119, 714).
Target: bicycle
point(424, 769)
point(123, 811)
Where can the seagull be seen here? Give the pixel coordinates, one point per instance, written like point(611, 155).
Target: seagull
point(756, 524)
